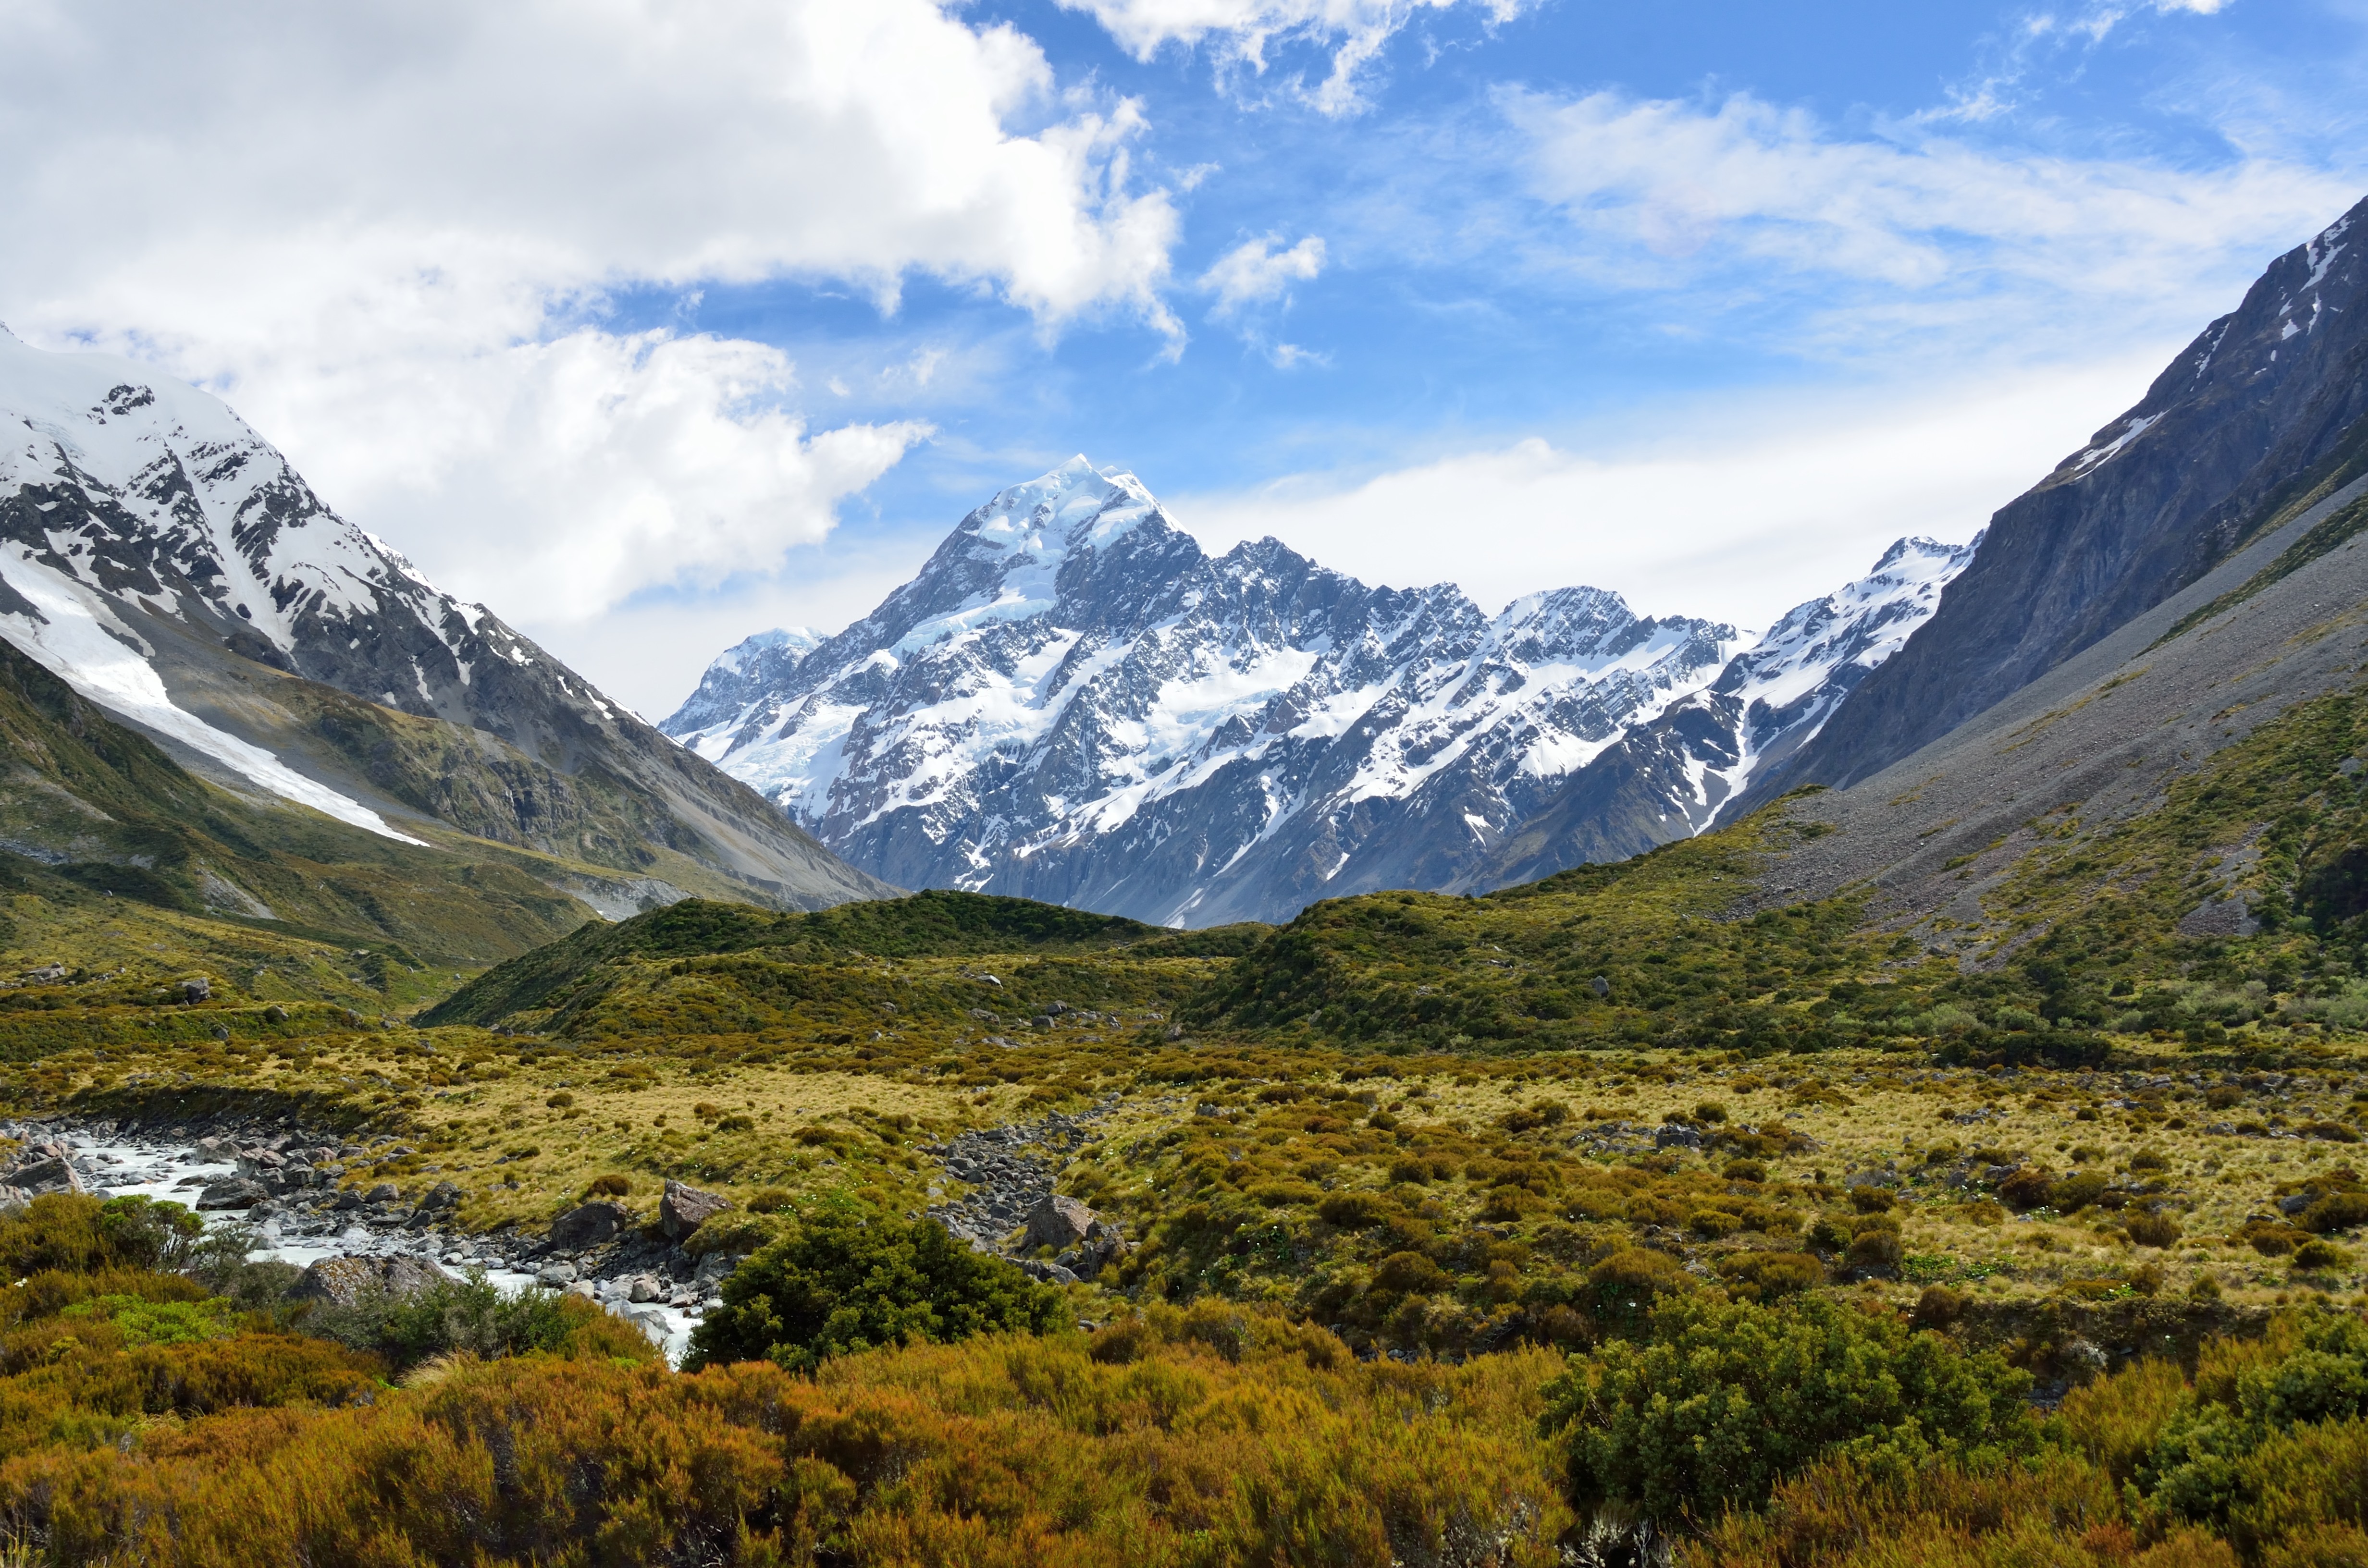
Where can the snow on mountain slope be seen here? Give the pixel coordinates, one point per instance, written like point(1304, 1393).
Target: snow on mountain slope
point(155, 550)
point(1073, 702)
point(1674, 774)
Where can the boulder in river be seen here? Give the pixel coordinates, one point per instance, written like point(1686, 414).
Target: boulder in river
point(589, 1225)
point(345, 1280)
point(51, 1174)
point(684, 1209)
point(236, 1192)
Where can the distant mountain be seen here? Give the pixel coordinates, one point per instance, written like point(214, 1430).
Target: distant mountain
point(1073, 702)
point(161, 558)
point(1676, 774)
point(2264, 413)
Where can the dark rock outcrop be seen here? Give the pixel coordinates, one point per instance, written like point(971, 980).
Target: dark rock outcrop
point(2260, 415)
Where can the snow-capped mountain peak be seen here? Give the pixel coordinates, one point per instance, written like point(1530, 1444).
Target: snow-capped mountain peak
point(155, 550)
point(1073, 700)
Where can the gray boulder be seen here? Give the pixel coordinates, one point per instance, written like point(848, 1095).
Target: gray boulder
point(589, 1225)
point(236, 1192)
point(53, 1175)
point(1058, 1222)
point(345, 1280)
point(684, 1209)
point(1675, 1136)
point(443, 1195)
point(551, 1275)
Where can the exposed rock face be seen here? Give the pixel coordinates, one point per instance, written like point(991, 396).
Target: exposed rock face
point(136, 510)
point(1072, 701)
point(684, 1209)
point(347, 1280)
point(589, 1225)
point(2262, 411)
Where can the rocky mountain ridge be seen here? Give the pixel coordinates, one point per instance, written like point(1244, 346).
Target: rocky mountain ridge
point(168, 563)
point(1073, 702)
point(2262, 415)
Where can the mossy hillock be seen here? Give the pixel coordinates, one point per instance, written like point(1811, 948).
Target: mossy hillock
point(937, 925)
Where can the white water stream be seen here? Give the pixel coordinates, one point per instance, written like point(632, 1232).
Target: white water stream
point(113, 1166)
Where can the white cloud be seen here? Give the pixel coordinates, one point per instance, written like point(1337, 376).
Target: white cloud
point(1254, 272)
point(595, 465)
point(1704, 522)
point(1662, 193)
point(1242, 32)
point(387, 231)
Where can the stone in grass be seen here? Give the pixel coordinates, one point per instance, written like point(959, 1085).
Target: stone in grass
point(345, 1280)
point(589, 1225)
point(684, 1209)
point(1057, 1222)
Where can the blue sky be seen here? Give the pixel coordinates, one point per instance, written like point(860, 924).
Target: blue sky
point(653, 336)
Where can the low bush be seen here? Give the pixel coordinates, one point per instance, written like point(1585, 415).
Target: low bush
point(841, 1283)
point(471, 1316)
point(1722, 1399)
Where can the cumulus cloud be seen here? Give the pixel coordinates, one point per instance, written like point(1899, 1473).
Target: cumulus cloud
point(389, 232)
point(1254, 272)
point(1243, 32)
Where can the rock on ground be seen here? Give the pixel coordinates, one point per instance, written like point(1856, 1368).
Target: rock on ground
point(589, 1225)
point(1058, 1222)
point(345, 1280)
point(684, 1209)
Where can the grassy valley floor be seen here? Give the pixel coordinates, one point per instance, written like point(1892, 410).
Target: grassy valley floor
point(1421, 1197)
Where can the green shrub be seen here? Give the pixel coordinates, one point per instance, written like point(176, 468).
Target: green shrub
point(79, 1234)
point(840, 1283)
point(2076, 1192)
point(2314, 1255)
point(1411, 1273)
point(1625, 1287)
point(2313, 1371)
point(1353, 1210)
point(1725, 1398)
point(469, 1315)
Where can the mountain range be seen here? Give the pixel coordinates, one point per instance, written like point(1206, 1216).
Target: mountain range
point(1073, 702)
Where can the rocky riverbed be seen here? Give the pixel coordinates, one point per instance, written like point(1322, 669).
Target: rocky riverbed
point(290, 1185)
point(1011, 1206)
point(286, 1184)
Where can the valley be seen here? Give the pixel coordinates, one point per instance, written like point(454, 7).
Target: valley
point(1359, 1080)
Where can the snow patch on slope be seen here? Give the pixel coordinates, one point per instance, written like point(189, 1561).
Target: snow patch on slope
point(73, 635)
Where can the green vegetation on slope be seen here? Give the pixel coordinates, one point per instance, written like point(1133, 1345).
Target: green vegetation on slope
point(928, 925)
point(109, 815)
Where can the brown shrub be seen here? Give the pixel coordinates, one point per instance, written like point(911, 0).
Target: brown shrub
point(2026, 1187)
point(2153, 1230)
point(1765, 1276)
